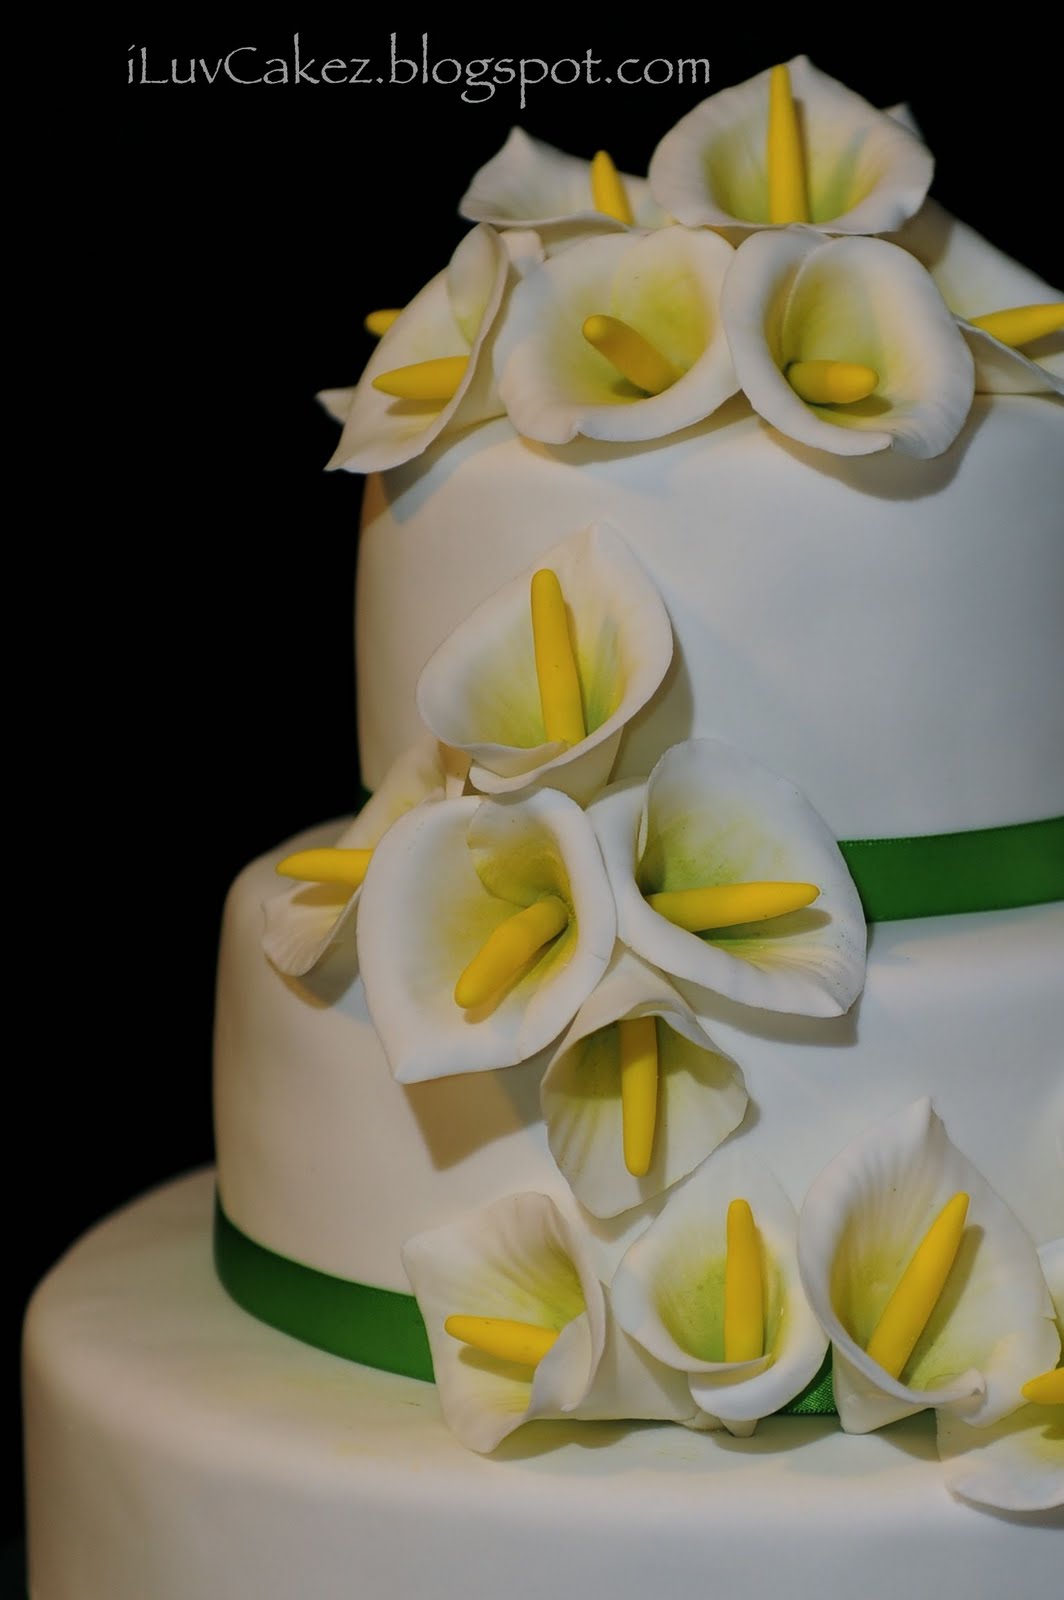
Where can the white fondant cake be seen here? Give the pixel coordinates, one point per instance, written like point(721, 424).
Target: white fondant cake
point(800, 520)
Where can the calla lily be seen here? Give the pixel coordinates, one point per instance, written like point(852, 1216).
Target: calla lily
point(481, 686)
point(669, 1294)
point(975, 278)
point(664, 290)
point(795, 297)
point(451, 320)
point(443, 880)
point(529, 184)
point(710, 815)
point(864, 172)
point(991, 1327)
point(700, 1095)
point(308, 918)
point(1017, 1464)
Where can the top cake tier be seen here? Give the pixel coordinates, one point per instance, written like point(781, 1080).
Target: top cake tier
point(885, 631)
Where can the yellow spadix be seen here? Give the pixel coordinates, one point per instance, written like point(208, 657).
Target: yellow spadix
point(639, 1091)
point(608, 193)
point(744, 1308)
point(347, 867)
point(559, 681)
point(1023, 324)
point(521, 1342)
point(1048, 1390)
point(435, 381)
point(832, 383)
point(378, 322)
point(909, 1308)
point(726, 905)
point(787, 196)
point(634, 357)
point(506, 950)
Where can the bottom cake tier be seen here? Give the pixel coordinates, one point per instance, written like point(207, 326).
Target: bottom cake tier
point(177, 1449)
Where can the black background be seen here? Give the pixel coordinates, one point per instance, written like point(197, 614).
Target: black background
point(228, 241)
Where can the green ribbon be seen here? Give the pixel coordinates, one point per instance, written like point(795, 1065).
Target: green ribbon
point(376, 1327)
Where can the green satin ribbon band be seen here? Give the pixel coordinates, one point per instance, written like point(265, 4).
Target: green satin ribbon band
point(376, 1327)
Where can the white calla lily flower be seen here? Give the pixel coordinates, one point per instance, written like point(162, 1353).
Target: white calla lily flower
point(452, 320)
point(991, 1327)
point(306, 919)
point(441, 883)
point(480, 691)
point(663, 289)
point(529, 184)
point(711, 816)
point(669, 1294)
point(975, 279)
point(700, 1096)
point(865, 173)
point(794, 298)
point(1017, 1464)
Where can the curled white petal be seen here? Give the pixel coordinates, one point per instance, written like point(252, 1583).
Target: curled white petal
point(1016, 1464)
point(796, 296)
point(630, 1384)
point(711, 815)
point(701, 1094)
point(479, 692)
point(518, 1259)
point(529, 184)
point(442, 879)
point(668, 1293)
point(305, 920)
point(863, 1218)
point(974, 278)
point(667, 286)
point(381, 431)
point(866, 172)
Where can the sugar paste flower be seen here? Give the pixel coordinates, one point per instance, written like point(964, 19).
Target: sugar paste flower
point(979, 281)
point(519, 1329)
point(846, 344)
point(484, 926)
point(1016, 1464)
point(434, 360)
point(529, 184)
point(317, 910)
point(618, 338)
point(710, 817)
point(863, 171)
point(990, 1324)
point(481, 691)
point(712, 1289)
point(616, 1149)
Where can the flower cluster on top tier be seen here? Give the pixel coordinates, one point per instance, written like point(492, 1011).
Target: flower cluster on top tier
point(783, 246)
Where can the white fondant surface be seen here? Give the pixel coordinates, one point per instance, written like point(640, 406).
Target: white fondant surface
point(884, 632)
point(179, 1450)
point(324, 1158)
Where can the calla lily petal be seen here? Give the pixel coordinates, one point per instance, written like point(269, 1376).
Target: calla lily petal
point(668, 1293)
point(307, 919)
point(701, 1095)
point(862, 1220)
point(711, 815)
point(974, 277)
point(481, 685)
point(666, 286)
point(795, 296)
point(440, 883)
point(1018, 1463)
point(529, 184)
point(455, 315)
point(865, 172)
point(629, 1383)
point(518, 1259)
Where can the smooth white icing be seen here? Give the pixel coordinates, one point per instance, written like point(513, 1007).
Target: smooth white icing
point(178, 1448)
point(324, 1158)
point(884, 632)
